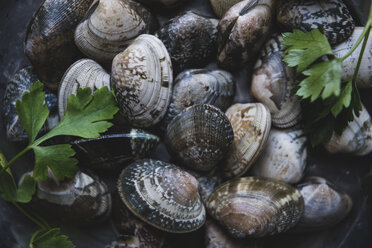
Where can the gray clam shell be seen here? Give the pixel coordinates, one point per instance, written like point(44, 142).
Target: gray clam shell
point(220, 7)
point(331, 16)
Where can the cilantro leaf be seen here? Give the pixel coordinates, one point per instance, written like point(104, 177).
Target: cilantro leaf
point(57, 158)
point(32, 111)
point(26, 190)
point(51, 238)
point(305, 48)
point(344, 100)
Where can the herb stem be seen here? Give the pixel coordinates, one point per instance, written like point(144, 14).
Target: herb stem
point(361, 54)
point(41, 225)
point(7, 165)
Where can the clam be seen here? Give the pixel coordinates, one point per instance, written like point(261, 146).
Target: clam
point(83, 73)
point(251, 123)
point(84, 199)
point(162, 195)
point(331, 16)
point(18, 85)
point(221, 6)
point(325, 205)
point(242, 31)
point(49, 42)
point(273, 84)
point(255, 207)
point(201, 86)
point(166, 3)
point(115, 148)
point(364, 78)
point(355, 139)
point(284, 156)
point(110, 26)
point(142, 79)
point(207, 184)
point(199, 136)
point(190, 39)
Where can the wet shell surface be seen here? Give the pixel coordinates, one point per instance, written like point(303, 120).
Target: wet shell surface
point(49, 42)
point(325, 206)
point(116, 148)
point(242, 31)
point(83, 73)
point(162, 195)
point(83, 199)
point(166, 3)
point(364, 78)
point(109, 28)
point(284, 156)
point(331, 16)
point(199, 136)
point(201, 86)
point(142, 79)
point(18, 85)
point(220, 7)
point(255, 207)
point(273, 84)
point(251, 123)
point(355, 139)
point(190, 39)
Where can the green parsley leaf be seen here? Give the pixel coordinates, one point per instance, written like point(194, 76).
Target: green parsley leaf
point(7, 187)
point(344, 100)
point(50, 239)
point(26, 190)
point(32, 111)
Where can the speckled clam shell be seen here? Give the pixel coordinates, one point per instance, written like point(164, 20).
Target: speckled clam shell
point(325, 205)
point(83, 73)
point(83, 199)
point(109, 28)
point(17, 86)
point(273, 84)
point(251, 123)
point(166, 3)
point(242, 31)
point(162, 195)
point(364, 78)
point(284, 156)
point(220, 7)
point(49, 42)
point(114, 149)
point(142, 79)
point(255, 207)
point(199, 136)
point(331, 16)
point(355, 139)
point(190, 39)
point(200, 86)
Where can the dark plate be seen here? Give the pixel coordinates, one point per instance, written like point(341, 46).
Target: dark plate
point(345, 171)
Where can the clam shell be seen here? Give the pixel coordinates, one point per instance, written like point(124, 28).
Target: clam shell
point(325, 206)
point(355, 139)
point(166, 3)
point(200, 86)
point(364, 78)
point(255, 207)
point(190, 39)
point(220, 7)
point(273, 84)
point(162, 195)
point(284, 156)
point(251, 123)
point(49, 42)
point(331, 16)
point(242, 31)
point(83, 73)
point(142, 79)
point(199, 136)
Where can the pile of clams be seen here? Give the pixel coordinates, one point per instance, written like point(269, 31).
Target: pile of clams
point(187, 153)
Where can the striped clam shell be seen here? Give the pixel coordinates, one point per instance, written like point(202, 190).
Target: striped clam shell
point(199, 136)
point(325, 205)
point(284, 156)
point(201, 86)
point(273, 84)
point(220, 7)
point(251, 123)
point(162, 195)
point(49, 42)
point(83, 73)
point(142, 79)
point(331, 16)
point(255, 207)
point(242, 31)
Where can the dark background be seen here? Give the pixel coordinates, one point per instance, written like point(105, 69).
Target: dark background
point(345, 171)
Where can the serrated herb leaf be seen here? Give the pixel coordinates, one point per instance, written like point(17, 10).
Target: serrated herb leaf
point(344, 100)
point(51, 238)
point(26, 190)
point(32, 111)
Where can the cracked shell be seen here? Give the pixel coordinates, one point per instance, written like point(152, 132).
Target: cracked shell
point(162, 195)
point(255, 207)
